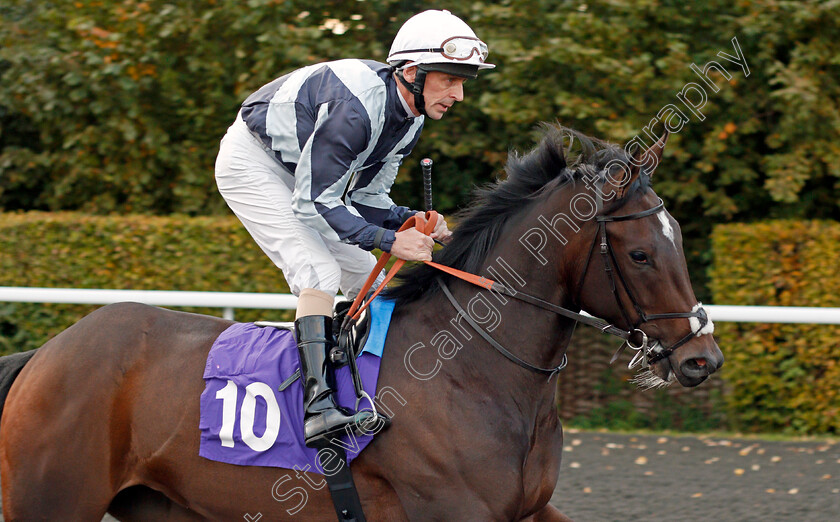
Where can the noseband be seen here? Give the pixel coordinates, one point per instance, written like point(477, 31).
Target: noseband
point(647, 354)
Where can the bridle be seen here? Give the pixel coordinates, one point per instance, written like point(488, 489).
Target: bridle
point(647, 353)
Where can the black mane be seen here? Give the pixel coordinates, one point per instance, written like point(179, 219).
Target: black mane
point(541, 171)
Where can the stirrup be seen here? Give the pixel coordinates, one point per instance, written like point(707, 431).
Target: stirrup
point(323, 432)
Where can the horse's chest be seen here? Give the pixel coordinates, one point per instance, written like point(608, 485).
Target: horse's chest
point(542, 467)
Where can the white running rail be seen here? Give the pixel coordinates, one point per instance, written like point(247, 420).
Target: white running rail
point(228, 301)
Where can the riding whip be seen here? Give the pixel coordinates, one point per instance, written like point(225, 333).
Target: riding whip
point(426, 165)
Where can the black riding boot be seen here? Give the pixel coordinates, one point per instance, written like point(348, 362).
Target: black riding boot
point(322, 416)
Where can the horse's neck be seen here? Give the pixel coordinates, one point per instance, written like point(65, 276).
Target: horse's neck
point(445, 351)
point(476, 377)
point(532, 334)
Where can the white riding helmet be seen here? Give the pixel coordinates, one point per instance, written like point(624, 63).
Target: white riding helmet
point(438, 37)
point(436, 41)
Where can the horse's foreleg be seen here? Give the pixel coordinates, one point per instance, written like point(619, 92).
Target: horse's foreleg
point(143, 503)
point(37, 485)
point(548, 513)
point(54, 458)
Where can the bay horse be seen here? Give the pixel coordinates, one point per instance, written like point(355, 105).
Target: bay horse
point(104, 417)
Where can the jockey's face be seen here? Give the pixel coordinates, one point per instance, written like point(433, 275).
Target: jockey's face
point(440, 91)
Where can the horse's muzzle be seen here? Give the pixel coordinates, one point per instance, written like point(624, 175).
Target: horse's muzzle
point(694, 370)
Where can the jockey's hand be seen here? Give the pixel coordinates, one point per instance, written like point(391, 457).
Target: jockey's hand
point(412, 245)
point(441, 231)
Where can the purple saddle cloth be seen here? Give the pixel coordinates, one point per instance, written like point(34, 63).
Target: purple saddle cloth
point(246, 420)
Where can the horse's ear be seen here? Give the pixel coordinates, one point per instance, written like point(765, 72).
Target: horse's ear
point(656, 151)
point(644, 161)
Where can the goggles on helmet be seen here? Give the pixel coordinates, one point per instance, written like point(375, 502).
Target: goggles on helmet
point(456, 48)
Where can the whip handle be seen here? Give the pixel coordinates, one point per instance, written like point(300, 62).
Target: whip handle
point(426, 165)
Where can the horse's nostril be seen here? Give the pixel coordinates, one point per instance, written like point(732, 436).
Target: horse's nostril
point(697, 368)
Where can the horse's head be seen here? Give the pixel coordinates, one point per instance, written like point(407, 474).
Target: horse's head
point(633, 271)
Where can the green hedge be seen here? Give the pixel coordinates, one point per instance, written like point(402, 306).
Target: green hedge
point(777, 377)
point(65, 250)
point(781, 377)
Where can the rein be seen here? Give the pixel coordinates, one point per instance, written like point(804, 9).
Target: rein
point(494, 343)
point(647, 354)
point(427, 226)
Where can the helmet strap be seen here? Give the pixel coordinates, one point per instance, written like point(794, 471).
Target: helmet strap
point(416, 88)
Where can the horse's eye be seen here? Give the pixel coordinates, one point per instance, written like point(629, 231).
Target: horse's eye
point(639, 257)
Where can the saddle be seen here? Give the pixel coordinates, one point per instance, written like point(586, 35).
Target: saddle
point(350, 342)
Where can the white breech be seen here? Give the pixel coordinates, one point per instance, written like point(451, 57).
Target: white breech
point(258, 189)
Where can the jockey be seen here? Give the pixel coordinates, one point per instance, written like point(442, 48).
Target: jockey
point(307, 167)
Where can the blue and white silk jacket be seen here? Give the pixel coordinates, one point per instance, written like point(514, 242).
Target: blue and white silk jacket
point(341, 129)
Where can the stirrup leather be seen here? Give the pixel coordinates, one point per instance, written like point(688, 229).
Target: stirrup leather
point(323, 418)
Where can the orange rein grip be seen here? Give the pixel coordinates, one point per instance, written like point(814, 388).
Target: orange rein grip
point(424, 223)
